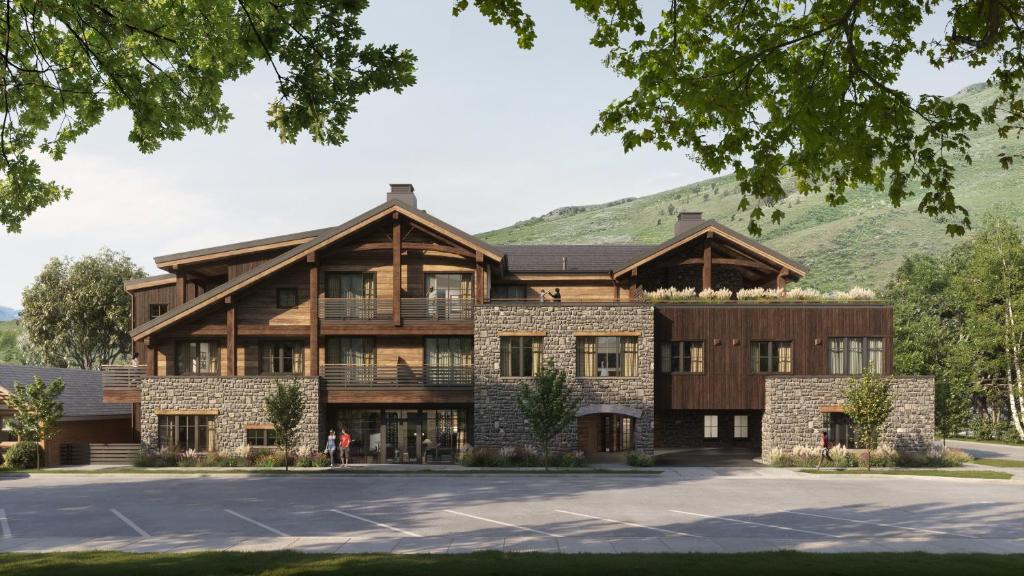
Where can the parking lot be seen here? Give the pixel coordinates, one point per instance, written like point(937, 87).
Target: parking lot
point(694, 509)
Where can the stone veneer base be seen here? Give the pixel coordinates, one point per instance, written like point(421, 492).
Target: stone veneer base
point(792, 415)
point(238, 401)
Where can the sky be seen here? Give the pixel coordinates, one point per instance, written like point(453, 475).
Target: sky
point(490, 135)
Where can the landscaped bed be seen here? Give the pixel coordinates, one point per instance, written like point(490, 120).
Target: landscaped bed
point(495, 563)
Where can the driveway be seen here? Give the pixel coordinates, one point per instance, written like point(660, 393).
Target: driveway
point(987, 450)
point(680, 510)
point(715, 457)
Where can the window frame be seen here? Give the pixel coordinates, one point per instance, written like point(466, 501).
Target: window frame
point(711, 423)
point(171, 426)
point(774, 356)
point(283, 290)
point(674, 356)
point(214, 363)
point(267, 360)
point(867, 348)
point(626, 346)
point(157, 306)
point(266, 437)
point(745, 427)
point(530, 350)
point(502, 292)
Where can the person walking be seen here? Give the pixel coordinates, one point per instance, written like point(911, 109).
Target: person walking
point(346, 440)
point(332, 445)
point(825, 445)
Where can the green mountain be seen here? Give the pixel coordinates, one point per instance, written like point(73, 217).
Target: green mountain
point(858, 244)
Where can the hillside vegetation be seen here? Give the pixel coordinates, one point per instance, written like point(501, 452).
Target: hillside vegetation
point(858, 244)
point(10, 352)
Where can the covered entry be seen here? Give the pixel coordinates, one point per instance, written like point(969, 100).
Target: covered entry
point(606, 429)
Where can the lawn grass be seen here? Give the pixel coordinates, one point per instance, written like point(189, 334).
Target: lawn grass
point(495, 563)
point(1000, 462)
point(983, 474)
point(308, 471)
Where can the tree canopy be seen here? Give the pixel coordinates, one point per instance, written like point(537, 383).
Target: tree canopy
point(284, 408)
point(548, 405)
point(767, 89)
point(37, 410)
point(76, 312)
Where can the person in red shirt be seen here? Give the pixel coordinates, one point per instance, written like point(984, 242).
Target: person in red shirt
point(825, 445)
point(344, 442)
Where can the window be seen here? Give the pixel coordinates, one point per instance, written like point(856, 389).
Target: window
point(508, 292)
point(350, 285)
point(260, 437)
point(198, 358)
point(606, 356)
point(287, 297)
point(448, 361)
point(351, 350)
point(682, 357)
point(772, 357)
point(281, 358)
point(710, 426)
point(520, 355)
point(452, 286)
point(855, 355)
point(741, 426)
point(185, 432)
point(157, 310)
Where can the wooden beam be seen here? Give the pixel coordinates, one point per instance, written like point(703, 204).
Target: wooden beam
point(413, 328)
point(374, 246)
point(706, 272)
point(616, 285)
point(479, 277)
point(729, 262)
point(150, 357)
point(179, 289)
point(232, 336)
point(314, 318)
point(396, 270)
point(780, 280)
point(634, 283)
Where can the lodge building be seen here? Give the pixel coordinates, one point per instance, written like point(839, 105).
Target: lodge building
point(416, 336)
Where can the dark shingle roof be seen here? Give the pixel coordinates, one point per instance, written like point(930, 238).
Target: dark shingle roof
point(578, 258)
point(83, 391)
point(240, 245)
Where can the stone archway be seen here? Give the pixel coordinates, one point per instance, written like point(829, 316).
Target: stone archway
point(606, 429)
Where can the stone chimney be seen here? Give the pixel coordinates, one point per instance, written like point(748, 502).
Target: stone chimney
point(687, 221)
point(403, 193)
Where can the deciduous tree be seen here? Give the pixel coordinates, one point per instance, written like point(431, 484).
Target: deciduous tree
point(284, 409)
point(868, 404)
point(76, 312)
point(37, 410)
point(548, 406)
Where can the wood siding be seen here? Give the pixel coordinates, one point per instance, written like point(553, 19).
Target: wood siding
point(728, 381)
point(258, 305)
point(144, 297)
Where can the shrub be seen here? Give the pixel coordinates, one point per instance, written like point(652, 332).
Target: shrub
point(885, 456)
point(720, 294)
point(23, 455)
point(937, 456)
point(639, 459)
point(311, 458)
point(269, 459)
point(518, 457)
point(759, 294)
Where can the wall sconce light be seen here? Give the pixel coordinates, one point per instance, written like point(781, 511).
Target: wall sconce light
point(718, 342)
point(735, 342)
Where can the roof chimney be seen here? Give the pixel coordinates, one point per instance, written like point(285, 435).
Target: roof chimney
point(403, 193)
point(688, 221)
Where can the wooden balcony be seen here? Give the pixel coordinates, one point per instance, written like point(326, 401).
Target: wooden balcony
point(347, 383)
point(121, 383)
point(379, 310)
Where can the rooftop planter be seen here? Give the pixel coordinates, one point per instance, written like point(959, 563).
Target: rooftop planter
point(758, 295)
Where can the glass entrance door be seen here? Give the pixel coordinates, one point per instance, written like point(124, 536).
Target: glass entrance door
point(404, 436)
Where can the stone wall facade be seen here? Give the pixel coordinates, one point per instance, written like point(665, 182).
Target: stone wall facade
point(238, 401)
point(792, 415)
point(498, 422)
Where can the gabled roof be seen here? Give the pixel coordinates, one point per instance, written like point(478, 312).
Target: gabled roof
point(83, 390)
point(258, 245)
point(149, 281)
point(700, 228)
point(595, 258)
point(294, 255)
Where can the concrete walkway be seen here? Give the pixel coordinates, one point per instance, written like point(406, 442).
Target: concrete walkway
point(449, 545)
point(988, 450)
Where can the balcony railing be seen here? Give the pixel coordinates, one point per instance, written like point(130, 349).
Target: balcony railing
point(452, 309)
point(356, 309)
point(121, 378)
point(380, 309)
point(356, 377)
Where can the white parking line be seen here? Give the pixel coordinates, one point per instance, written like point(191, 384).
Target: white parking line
point(751, 523)
point(260, 524)
point(500, 523)
point(876, 523)
point(381, 524)
point(5, 528)
point(624, 523)
point(130, 524)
